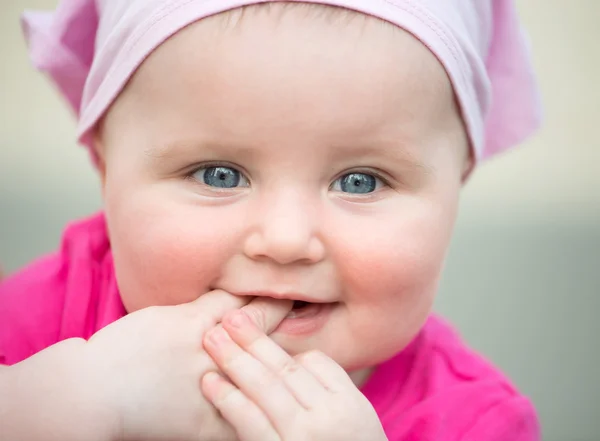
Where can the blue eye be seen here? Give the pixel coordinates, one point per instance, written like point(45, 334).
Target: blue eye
point(356, 183)
point(220, 177)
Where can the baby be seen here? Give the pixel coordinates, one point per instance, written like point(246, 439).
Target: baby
point(280, 185)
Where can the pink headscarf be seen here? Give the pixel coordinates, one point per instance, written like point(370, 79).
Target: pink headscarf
point(90, 48)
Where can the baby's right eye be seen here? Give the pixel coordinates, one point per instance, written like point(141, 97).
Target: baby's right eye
point(357, 183)
point(220, 176)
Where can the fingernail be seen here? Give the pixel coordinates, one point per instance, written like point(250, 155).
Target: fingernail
point(238, 319)
point(217, 336)
point(212, 377)
point(210, 385)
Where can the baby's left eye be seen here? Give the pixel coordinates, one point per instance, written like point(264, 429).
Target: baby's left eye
point(357, 183)
point(220, 176)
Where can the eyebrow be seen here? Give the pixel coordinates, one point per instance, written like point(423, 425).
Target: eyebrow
point(182, 147)
point(391, 151)
point(388, 151)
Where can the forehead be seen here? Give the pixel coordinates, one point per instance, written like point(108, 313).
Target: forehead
point(280, 61)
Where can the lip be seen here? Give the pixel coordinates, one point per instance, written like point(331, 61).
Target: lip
point(280, 296)
point(307, 321)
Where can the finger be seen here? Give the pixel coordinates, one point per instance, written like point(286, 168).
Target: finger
point(330, 374)
point(214, 304)
point(301, 383)
point(253, 378)
point(267, 313)
point(248, 420)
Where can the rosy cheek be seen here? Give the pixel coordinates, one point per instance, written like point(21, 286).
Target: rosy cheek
point(393, 263)
point(170, 260)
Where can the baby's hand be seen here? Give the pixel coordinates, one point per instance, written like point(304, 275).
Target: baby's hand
point(147, 368)
point(274, 397)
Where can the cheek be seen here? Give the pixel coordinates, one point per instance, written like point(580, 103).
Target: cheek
point(390, 270)
point(165, 253)
point(395, 256)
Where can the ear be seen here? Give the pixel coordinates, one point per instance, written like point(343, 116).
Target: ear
point(469, 166)
point(99, 156)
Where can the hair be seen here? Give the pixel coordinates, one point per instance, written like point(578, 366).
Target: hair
point(280, 9)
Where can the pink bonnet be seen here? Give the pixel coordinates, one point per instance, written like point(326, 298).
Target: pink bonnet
point(90, 48)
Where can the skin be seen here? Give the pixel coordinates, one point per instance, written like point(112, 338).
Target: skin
point(272, 97)
point(136, 379)
point(274, 397)
point(294, 102)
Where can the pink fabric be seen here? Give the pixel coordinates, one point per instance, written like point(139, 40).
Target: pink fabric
point(435, 390)
point(90, 48)
point(71, 293)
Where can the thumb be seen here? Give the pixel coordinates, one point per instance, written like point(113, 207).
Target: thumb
point(267, 313)
point(213, 305)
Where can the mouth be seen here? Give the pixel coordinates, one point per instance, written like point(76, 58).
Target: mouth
point(301, 302)
point(303, 309)
point(306, 318)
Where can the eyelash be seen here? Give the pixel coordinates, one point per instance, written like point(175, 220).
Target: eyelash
point(190, 174)
point(377, 175)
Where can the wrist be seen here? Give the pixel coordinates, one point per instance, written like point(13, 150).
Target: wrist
point(49, 397)
point(6, 400)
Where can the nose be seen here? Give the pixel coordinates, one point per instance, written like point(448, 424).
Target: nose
point(285, 230)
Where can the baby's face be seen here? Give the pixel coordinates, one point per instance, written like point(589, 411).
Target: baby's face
point(288, 157)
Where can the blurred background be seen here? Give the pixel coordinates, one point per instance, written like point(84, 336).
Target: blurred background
point(522, 281)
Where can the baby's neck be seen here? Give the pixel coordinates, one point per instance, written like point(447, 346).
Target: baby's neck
point(361, 376)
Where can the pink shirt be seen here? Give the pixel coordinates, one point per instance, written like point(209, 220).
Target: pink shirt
point(434, 390)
